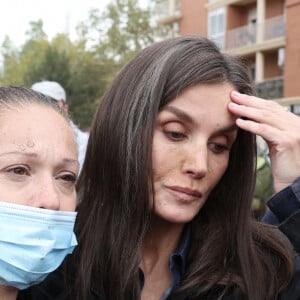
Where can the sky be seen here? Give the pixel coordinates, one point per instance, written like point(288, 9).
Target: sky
point(57, 16)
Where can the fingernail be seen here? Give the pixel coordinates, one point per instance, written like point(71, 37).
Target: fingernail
point(236, 94)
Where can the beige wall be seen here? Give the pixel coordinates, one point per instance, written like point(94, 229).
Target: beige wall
point(271, 65)
point(237, 16)
point(194, 17)
point(274, 8)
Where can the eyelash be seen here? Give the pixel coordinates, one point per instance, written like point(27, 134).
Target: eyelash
point(219, 148)
point(25, 172)
point(15, 170)
point(69, 178)
point(175, 135)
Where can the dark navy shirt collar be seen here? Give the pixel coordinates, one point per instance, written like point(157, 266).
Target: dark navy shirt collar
point(177, 261)
point(179, 257)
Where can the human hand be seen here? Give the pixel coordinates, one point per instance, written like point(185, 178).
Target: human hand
point(278, 127)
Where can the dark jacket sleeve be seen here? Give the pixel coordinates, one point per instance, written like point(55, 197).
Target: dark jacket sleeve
point(285, 213)
point(293, 290)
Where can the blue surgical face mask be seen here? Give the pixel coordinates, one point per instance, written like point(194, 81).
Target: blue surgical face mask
point(33, 243)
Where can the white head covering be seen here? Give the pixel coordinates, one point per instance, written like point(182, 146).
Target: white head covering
point(50, 88)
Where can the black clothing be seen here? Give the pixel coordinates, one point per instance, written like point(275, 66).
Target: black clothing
point(53, 288)
point(285, 212)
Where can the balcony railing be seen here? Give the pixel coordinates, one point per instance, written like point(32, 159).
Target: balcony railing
point(270, 89)
point(247, 35)
point(274, 28)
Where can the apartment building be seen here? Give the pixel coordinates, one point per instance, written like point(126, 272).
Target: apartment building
point(266, 33)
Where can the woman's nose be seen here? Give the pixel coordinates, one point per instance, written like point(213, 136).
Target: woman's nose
point(196, 162)
point(47, 195)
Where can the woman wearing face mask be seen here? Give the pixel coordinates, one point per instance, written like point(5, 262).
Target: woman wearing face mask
point(166, 188)
point(38, 170)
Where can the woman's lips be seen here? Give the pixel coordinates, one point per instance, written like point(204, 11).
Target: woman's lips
point(185, 194)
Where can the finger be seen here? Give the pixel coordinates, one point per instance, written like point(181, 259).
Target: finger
point(271, 115)
point(252, 113)
point(273, 136)
point(265, 131)
point(252, 101)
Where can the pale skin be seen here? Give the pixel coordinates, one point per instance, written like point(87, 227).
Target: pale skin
point(189, 158)
point(278, 127)
point(190, 154)
point(38, 162)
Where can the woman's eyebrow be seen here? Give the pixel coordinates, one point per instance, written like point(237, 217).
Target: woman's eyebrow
point(180, 114)
point(20, 153)
point(35, 155)
point(228, 129)
point(187, 119)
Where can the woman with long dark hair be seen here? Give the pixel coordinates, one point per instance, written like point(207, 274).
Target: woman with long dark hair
point(128, 223)
point(166, 188)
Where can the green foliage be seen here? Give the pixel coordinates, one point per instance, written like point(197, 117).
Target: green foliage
point(36, 31)
point(106, 41)
point(128, 30)
point(11, 71)
point(264, 188)
point(120, 31)
point(54, 65)
point(86, 87)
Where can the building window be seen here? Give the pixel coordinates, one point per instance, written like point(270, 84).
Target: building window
point(216, 26)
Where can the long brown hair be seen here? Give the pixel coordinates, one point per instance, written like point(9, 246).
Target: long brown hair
point(227, 249)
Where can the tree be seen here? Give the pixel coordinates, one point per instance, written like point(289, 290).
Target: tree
point(10, 73)
point(54, 65)
point(121, 30)
point(18, 62)
point(86, 86)
point(36, 31)
point(85, 67)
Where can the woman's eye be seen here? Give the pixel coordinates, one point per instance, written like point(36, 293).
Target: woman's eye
point(68, 178)
point(19, 170)
point(174, 135)
point(219, 148)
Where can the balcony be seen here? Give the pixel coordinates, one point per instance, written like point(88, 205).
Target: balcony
point(214, 4)
point(273, 89)
point(168, 12)
point(256, 37)
point(270, 89)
